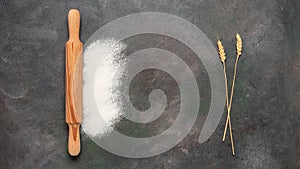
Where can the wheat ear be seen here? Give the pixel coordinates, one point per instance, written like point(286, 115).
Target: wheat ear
point(239, 46)
point(223, 58)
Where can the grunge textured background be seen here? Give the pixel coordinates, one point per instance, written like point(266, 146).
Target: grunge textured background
point(265, 112)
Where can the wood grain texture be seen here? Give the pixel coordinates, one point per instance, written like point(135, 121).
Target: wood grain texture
point(74, 82)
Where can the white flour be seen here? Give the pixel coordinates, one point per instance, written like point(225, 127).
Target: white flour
point(110, 70)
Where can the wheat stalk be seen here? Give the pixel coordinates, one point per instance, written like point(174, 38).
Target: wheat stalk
point(223, 59)
point(239, 46)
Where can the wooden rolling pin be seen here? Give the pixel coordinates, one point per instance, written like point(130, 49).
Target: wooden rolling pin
point(74, 82)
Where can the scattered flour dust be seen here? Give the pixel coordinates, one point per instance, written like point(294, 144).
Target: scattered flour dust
point(107, 79)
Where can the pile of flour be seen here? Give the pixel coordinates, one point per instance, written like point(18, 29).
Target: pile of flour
point(108, 77)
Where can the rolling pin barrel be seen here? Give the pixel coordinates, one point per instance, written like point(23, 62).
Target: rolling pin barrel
point(74, 82)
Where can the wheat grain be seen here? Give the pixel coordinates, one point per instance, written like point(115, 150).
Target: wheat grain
point(221, 51)
point(239, 45)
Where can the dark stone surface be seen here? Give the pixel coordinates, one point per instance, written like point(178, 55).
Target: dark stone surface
point(266, 106)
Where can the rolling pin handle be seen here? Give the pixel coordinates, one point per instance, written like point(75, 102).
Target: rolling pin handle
point(74, 24)
point(74, 140)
